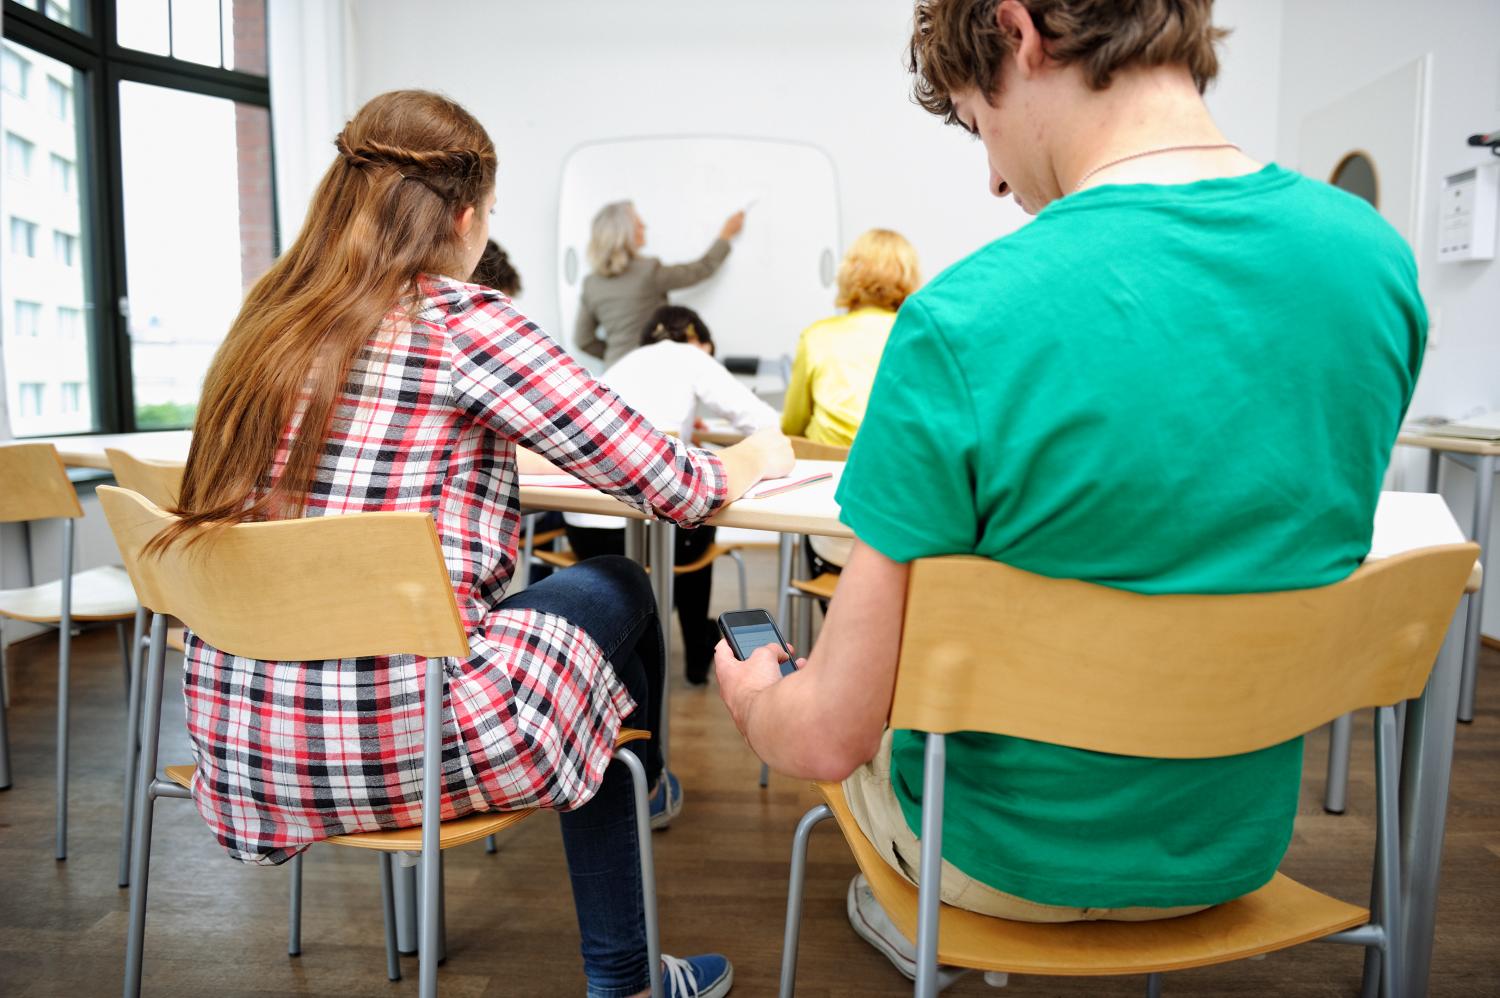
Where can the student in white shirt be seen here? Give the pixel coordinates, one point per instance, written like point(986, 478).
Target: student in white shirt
point(669, 380)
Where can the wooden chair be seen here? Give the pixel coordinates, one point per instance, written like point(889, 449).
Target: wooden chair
point(990, 648)
point(37, 488)
point(161, 483)
point(308, 590)
point(1341, 731)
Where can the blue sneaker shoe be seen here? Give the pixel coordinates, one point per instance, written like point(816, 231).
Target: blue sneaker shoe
point(707, 976)
point(666, 803)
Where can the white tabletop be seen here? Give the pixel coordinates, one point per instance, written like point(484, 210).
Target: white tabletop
point(1404, 521)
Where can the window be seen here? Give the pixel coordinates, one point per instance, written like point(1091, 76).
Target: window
point(18, 156)
point(22, 237)
point(31, 395)
point(59, 99)
point(28, 318)
point(65, 248)
point(69, 323)
point(62, 173)
point(156, 143)
point(15, 74)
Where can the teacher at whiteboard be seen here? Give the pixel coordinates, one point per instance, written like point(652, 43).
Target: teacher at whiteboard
point(625, 288)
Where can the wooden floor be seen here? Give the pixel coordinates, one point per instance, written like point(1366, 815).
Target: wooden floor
point(218, 928)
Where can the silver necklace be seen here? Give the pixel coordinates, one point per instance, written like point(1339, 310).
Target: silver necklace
point(1151, 152)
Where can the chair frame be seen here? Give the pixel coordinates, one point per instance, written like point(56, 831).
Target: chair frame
point(1382, 933)
point(148, 787)
point(47, 493)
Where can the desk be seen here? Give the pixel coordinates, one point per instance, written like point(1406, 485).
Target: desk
point(1479, 457)
point(1403, 521)
point(88, 451)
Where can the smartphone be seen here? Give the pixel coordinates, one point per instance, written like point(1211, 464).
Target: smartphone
point(747, 630)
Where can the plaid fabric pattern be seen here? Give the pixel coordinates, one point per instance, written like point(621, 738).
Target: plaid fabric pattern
point(292, 752)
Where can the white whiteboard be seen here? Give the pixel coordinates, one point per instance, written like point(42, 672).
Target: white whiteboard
point(778, 279)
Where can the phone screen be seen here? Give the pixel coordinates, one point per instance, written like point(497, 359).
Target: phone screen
point(747, 630)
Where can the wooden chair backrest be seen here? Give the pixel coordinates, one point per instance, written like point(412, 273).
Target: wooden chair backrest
point(808, 450)
point(36, 485)
point(158, 481)
point(297, 590)
point(987, 647)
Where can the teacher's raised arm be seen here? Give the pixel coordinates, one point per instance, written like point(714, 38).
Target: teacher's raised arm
point(625, 287)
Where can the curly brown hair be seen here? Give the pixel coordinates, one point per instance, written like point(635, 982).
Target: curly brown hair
point(957, 45)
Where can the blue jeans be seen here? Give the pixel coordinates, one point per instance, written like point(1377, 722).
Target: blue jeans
point(611, 599)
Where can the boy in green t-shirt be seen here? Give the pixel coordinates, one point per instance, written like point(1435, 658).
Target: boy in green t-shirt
point(1185, 375)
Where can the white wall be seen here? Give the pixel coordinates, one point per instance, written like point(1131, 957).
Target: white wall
point(1332, 47)
point(545, 77)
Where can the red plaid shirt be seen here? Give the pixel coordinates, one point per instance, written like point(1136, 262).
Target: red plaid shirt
point(293, 752)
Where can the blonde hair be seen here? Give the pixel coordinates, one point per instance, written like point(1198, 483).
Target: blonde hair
point(612, 239)
point(879, 271)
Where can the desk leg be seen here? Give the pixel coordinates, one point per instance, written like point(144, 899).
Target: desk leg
point(1434, 469)
point(1426, 763)
point(1484, 497)
point(635, 540)
point(785, 546)
point(663, 557)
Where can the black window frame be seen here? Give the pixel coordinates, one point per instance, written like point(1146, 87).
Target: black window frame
point(104, 65)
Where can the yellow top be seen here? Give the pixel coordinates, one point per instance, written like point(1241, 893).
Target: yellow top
point(831, 378)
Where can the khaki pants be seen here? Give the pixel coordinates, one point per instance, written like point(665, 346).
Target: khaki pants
point(874, 805)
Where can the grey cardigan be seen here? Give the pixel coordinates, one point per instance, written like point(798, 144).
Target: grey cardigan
point(622, 304)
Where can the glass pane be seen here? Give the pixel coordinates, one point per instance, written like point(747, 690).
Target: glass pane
point(245, 35)
point(198, 233)
point(143, 25)
point(195, 31)
point(44, 285)
point(70, 12)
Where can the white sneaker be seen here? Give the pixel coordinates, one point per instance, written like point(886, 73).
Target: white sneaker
point(874, 926)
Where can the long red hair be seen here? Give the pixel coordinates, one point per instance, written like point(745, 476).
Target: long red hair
point(385, 213)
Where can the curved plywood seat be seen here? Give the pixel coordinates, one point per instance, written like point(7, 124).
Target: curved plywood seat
point(822, 587)
point(98, 594)
point(458, 832)
point(557, 559)
point(1281, 914)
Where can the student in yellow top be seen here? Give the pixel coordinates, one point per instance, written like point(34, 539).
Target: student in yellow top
point(837, 358)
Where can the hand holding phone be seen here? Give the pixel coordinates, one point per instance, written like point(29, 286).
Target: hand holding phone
point(747, 630)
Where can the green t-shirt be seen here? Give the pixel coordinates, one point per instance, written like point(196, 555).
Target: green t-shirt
point(1166, 389)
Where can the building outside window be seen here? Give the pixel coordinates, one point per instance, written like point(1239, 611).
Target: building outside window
point(18, 154)
point(28, 318)
point(176, 181)
point(31, 395)
point(69, 323)
point(62, 173)
point(59, 99)
point(15, 74)
point(22, 237)
point(65, 249)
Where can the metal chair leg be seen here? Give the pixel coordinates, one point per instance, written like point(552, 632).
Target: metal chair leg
point(125, 657)
point(765, 775)
point(4, 729)
point(1336, 789)
point(64, 662)
point(793, 927)
point(145, 803)
point(929, 909)
point(432, 742)
point(490, 846)
point(1153, 986)
point(294, 912)
point(1388, 854)
point(648, 866)
point(132, 741)
point(388, 908)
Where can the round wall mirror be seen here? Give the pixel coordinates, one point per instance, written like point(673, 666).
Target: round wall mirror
point(1356, 174)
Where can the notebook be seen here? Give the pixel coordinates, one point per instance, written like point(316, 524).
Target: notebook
point(1482, 427)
